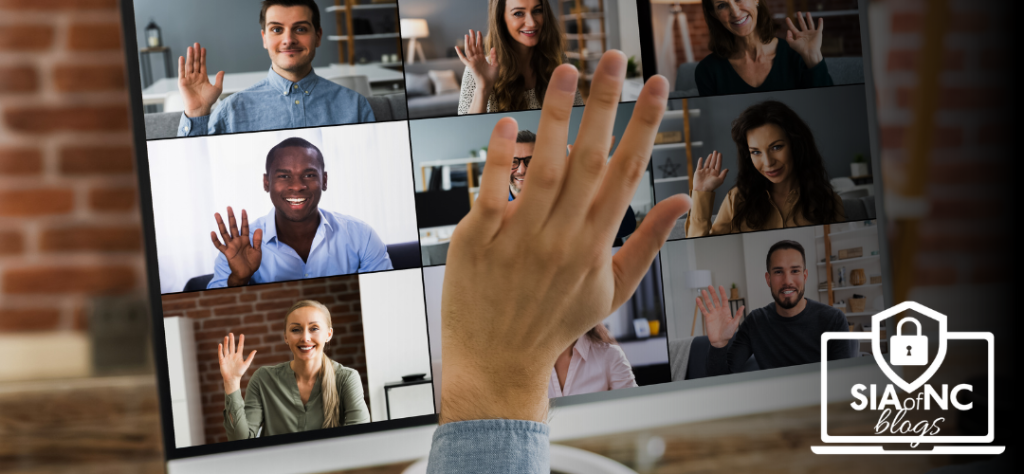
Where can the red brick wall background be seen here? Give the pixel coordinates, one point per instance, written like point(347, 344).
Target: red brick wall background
point(69, 221)
point(258, 312)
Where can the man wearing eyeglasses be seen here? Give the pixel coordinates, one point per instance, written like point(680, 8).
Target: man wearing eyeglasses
point(525, 142)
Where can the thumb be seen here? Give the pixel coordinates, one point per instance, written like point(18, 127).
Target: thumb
point(219, 81)
point(491, 56)
point(723, 173)
point(789, 35)
point(248, 360)
point(257, 239)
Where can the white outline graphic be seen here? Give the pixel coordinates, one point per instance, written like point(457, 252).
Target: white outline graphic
point(875, 338)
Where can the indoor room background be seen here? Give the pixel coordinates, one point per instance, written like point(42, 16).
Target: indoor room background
point(367, 166)
point(839, 136)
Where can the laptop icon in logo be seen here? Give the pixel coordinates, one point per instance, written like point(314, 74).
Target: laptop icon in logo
point(916, 411)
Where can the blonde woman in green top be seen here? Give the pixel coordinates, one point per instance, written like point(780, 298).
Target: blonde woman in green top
point(294, 396)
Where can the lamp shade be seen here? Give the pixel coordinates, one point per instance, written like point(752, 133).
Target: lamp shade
point(697, 279)
point(414, 28)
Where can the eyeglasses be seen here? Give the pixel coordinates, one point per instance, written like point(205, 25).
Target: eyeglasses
point(524, 160)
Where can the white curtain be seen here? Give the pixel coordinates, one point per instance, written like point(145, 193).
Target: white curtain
point(369, 174)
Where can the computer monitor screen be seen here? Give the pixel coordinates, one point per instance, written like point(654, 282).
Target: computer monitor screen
point(304, 165)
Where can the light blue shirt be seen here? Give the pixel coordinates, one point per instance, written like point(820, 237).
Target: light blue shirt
point(276, 103)
point(342, 245)
point(490, 446)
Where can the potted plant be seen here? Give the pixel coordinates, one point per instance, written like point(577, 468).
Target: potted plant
point(859, 167)
point(734, 293)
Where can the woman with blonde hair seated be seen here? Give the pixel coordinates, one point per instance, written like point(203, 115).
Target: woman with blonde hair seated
point(310, 392)
point(525, 43)
point(592, 363)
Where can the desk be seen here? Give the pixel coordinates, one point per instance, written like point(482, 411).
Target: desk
point(376, 74)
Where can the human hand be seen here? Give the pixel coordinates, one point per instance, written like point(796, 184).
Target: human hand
point(528, 277)
point(243, 257)
point(196, 91)
point(483, 65)
point(806, 40)
point(717, 321)
point(232, 365)
point(709, 174)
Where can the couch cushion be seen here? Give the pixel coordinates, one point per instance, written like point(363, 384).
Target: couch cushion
point(162, 125)
point(417, 85)
point(444, 105)
point(445, 64)
point(444, 81)
point(388, 107)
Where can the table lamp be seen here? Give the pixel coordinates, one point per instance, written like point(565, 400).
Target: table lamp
point(413, 29)
point(695, 280)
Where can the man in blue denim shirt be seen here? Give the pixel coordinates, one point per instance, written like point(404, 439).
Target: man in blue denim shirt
point(291, 96)
point(526, 278)
point(297, 239)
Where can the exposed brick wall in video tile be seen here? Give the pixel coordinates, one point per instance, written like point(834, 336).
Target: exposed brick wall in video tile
point(258, 312)
point(69, 223)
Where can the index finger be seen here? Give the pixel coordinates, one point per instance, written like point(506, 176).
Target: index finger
point(631, 157)
point(492, 201)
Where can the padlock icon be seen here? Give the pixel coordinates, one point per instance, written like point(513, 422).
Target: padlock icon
point(908, 350)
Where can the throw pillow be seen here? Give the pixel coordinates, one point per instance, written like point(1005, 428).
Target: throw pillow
point(417, 85)
point(444, 81)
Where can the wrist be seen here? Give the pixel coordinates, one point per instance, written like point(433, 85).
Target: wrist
point(232, 386)
point(234, 280)
point(813, 59)
point(200, 112)
point(718, 344)
point(471, 393)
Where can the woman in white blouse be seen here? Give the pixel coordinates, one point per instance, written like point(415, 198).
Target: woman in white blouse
point(594, 363)
point(526, 45)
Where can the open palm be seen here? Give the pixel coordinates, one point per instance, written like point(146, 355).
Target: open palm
point(243, 256)
point(196, 91)
point(233, 364)
point(709, 174)
point(719, 323)
point(805, 40)
point(483, 64)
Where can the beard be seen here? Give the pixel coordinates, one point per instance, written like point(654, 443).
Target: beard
point(785, 304)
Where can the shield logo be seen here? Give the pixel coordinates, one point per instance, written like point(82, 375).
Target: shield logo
point(876, 347)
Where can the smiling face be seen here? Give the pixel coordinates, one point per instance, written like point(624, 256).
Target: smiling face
point(307, 331)
point(290, 38)
point(739, 17)
point(786, 277)
point(295, 179)
point(771, 153)
point(524, 19)
point(518, 176)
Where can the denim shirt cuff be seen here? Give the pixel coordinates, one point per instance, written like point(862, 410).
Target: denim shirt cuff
point(191, 127)
point(512, 446)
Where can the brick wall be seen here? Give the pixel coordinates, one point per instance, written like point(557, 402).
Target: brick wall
point(69, 222)
point(258, 312)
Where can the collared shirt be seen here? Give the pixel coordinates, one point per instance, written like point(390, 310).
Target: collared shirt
point(276, 103)
point(593, 367)
point(342, 245)
point(785, 214)
point(272, 401)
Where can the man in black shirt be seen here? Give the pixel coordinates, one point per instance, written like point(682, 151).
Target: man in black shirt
point(784, 333)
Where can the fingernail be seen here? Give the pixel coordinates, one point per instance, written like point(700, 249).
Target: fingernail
point(658, 85)
point(565, 81)
point(614, 67)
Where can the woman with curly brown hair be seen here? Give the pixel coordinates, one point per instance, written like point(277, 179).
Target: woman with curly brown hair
point(526, 43)
point(747, 57)
point(781, 183)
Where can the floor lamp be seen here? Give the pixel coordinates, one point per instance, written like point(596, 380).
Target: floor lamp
point(695, 280)
point(677, 31)
point(414, 29)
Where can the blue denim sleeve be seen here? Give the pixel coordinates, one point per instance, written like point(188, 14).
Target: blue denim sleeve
point(193, 127)
point(490, 446)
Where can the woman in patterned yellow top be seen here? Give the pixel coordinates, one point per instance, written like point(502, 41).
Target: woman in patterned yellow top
point(526, 44)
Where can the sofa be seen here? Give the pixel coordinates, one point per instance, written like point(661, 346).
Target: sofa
point(403, 255)
point(844, 70)
point(385, 108)
point(423, 102)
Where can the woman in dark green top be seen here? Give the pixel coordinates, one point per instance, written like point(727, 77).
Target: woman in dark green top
point(747, 57)
point(310, 392)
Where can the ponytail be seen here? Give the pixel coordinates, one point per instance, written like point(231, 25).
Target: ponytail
point(329, 394)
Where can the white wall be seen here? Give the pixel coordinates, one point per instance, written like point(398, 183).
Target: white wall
point(183, 374)
point(629, 33)
point(369, 178)
point(395, 332)
point(677, 257)
point(433, 278)
point(755, 249)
